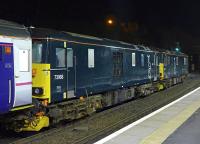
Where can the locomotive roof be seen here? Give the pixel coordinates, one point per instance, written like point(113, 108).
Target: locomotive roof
point(68, 36)
point(8, 28)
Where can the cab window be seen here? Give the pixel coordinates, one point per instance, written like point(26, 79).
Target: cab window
point(69, 57)
point(60, 57)
point(37, 52)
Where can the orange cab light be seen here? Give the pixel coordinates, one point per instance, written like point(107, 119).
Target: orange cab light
point(34, 71)
point(7, 50)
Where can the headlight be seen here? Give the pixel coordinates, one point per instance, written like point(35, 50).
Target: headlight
point(37, 91)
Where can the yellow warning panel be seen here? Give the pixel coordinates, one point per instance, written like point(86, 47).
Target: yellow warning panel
point(161, 71)
point(41, 81)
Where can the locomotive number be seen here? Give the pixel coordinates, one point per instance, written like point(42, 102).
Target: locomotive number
point(149, 67)
point(57, 77)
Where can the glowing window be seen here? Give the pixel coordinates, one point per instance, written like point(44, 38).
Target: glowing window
point(142, 60)
point(176, 60)
point(24, 60)
point(90, 58)
point(133, 59)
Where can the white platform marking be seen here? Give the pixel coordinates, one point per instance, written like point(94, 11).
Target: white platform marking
point(111, 136)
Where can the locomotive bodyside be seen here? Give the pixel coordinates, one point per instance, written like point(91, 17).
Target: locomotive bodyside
point(71, 69)
point(88, 67)
point(83, 65)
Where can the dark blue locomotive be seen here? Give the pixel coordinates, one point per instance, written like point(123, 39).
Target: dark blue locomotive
point(105, 72)
point(83, 65)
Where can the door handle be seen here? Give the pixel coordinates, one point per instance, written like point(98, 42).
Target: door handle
point(10, 91)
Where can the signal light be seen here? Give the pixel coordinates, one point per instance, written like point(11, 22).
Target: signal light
point(177, 49)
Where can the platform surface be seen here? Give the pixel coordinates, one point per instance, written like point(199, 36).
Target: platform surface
point(162, 126)
point(188, 133)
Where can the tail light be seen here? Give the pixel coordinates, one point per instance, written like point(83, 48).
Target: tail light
point(7, 50)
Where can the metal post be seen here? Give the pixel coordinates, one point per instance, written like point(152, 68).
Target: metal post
point(87, 106)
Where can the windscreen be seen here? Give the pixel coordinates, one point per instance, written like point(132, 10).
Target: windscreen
point(37, 52)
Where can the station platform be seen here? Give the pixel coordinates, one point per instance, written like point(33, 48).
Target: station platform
point(177, 122)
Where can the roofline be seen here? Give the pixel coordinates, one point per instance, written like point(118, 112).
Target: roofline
point(108, 46)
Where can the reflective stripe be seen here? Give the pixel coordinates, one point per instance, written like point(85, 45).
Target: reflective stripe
point(24, 83)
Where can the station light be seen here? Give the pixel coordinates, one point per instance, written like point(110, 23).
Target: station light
point(110, 21)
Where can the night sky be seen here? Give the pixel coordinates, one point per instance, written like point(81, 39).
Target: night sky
point(159, 23)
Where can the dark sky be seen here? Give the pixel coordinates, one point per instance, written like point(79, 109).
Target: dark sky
point(181, 13)
point(72, 15)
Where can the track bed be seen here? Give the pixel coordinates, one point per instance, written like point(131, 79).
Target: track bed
point(90, 129)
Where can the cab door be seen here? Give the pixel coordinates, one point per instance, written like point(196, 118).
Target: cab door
point(71, 73)
point(58, 61)
point(155, 67)
point(23, 73)
point(6, 77)
point(174, 62)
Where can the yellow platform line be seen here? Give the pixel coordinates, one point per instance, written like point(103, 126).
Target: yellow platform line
point(161, 134)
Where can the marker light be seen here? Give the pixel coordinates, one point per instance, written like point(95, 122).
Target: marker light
point(34, 71)
point(7, 50)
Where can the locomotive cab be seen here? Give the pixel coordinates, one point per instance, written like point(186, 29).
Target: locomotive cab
point(40, 72)
point(52, 68)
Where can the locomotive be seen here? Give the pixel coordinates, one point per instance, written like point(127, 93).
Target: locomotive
point(49, 75)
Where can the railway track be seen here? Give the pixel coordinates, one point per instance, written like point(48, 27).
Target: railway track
point(95, 127)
